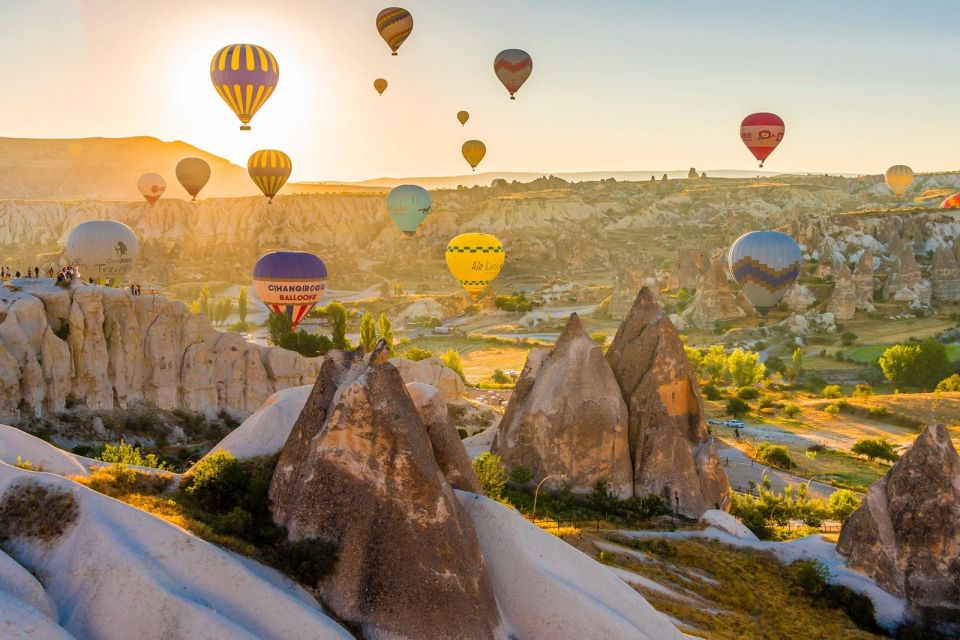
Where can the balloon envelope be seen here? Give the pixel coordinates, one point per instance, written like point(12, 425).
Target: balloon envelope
point(193, 174)
point(762, 132)
point(269, 170)
point(473, 152)
point(475, 260)
point(290, 282)
point(899, 178)
point(102, 248)
point(765, 264)
point(408, 205)
point(463, 116)
point(380, 85)
point(151, 186)
point(394, 25)
point(245, 76)
point(953, 202)
point(513, 67)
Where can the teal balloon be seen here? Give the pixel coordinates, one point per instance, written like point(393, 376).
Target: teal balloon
point(408, 205)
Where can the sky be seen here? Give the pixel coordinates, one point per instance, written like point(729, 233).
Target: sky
point(616, 85)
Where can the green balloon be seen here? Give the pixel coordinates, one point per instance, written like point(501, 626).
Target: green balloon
point(408, 205)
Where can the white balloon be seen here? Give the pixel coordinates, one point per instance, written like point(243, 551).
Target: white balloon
point(102, 248)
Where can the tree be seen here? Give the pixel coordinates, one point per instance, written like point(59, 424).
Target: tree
point(242, 304)
point(338, 325)
point(843, 503)
point(278, 325)
point(204, 299)
point(862, 391)
point(847, 338)
point(306, 344)
point(715, 363)
point(797, 360)
point(368, 333)
point(949, 384)
point(745, 367)
point(832, 391)
point(490, 473)
point(737, 407)
point(385, 331)
point(775, 455)
point(694, 357)
point(602, 500)
point(922, 364)
point(451, 359)
point(878, 449)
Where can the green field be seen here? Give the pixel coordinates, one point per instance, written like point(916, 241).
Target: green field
point(870, 353)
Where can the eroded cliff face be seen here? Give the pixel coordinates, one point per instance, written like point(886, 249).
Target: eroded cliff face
point(105, 348)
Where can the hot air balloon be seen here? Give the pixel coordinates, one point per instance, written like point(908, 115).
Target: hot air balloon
point(151, 186)
point(290, 282)
point(953, 202)
point(899, 177)
point(463, 116)
point(102, 248)
point(766, 264)
point(408, 205)
point(761, 132)
point(380, 85)
point(394, 25)
point(473, 152)
point(245, 76)
point(269, 170)
point(475, 259)
point(193, 174)
point(513, 67)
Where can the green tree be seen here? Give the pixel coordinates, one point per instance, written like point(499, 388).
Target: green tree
point(878, 449)
point(921, 364)
point(123, 453)
point(843, 503)
point(385, 330)
point(602, 500)
point(745, 367)
point(715, 363)
point(737, 407)
point(368, 333)
point(949, 384)
point(862, 391)
point(694, 357)
point(832, 391)
point(338, 325)
point(203, 300)
point(278, 325)
point(242, 304)
point(452, 360)
point(490, 472)
point(774, 454)
point(847, 338)
point(306, 344)
point(797, 360)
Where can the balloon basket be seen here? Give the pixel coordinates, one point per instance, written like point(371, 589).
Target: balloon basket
point(245, 127)
point(513, 97)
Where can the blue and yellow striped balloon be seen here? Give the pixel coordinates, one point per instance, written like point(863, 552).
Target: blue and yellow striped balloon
point(269, 170)
point(245, 76)
point(765, 264)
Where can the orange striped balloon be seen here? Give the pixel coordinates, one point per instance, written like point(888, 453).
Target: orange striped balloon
point(269, 170)
point(245, 76)
point(394, 25)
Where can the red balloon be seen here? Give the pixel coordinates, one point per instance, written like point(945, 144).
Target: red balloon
point(761, 132)
point(953, 202)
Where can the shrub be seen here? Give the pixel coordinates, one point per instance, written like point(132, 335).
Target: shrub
point(737, 407)
point(862, 391)
point(847, 338)
point(26, 465)
point(306, 344)
point(922, 364)
point(416, 354)
point(452, 360)
point(123, 453)
point(832, 391)
point(217, 483)
point(516, 302)
point(776, 364)
point(601, 499)
point(949, 384)
point(236, 522)
point(649, 506)
point(773, 454)
point(463, 433)
point(811, 575)
point(833, 408)
point(520, 475)
point(489, 468)
point(790, 411)
point(842, 503)
point(748, 393)
point(710, 392)
point(309, 560)
point(750, 513)
point(32, 510)
point(878, 449)
point(500, 377)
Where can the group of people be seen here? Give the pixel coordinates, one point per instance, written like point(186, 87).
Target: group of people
point(68, 272)
point(5, 273)
point(135, 289)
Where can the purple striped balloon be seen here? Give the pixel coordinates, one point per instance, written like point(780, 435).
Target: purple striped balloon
point(245, 76)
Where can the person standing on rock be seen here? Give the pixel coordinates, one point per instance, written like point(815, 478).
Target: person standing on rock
point(17, 274)
point(36, 272)
point(50, 272)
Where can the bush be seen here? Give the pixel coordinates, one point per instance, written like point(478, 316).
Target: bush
point(649, 506)
point(748, 393)
point(773, 454)
point(217, 483)
point(878, 449)
point(847, 338)
point(842, 503)
point(463, 433)
point(832, 391)
point(32, 510)
point(812, 576)
point(309, 560)
point(236, 522)
point(710, 392)
point(416, 354)
point(833, 408)
point(26, 465)
point(776, 364)
point(862, 391)
point(517, 302)
point(500, 377)
point(489, 468)
point(520, 475)
point(922, 364)
point(790, 411)
point(749, 512)
point(306, 344)
point(949, 384)
point(737, 407)
point(452, 360)
point(123, 453)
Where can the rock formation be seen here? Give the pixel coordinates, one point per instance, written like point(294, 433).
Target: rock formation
point(906, 533)
point(431, 371)
point(690, 266)
point(673, 455)
point(843, 301)
point(359, 469)
point(625, 287)
point(799, 298)
point(566, 418)
point(863, 280)
point(714, 301)
point(107, 348)
point(905, 281)
point(945, 275)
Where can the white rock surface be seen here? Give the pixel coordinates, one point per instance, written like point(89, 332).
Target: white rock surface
point(548, 589)
point(119, 572)
point(433, 372)
point(44, 456)
point(728, 524)
point(265, 432)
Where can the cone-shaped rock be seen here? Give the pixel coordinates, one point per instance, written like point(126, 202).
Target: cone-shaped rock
point(359, 470)
point(673, 455)
point(906, 533)
point(566, 417)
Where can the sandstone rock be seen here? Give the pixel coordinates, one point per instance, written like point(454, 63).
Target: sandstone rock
point(863, 279)
point(117, 348)
point(690, 266)
point(904, 272)
point(433, 372)
point(447, 447)
point(945, 276)
point(566, 418)
point(799, 298)
point(625, 288)
point(714, 301)
point(728, 524)
point(673, 455)
point(843, 300)
point(359, 469)
point(906, 534)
